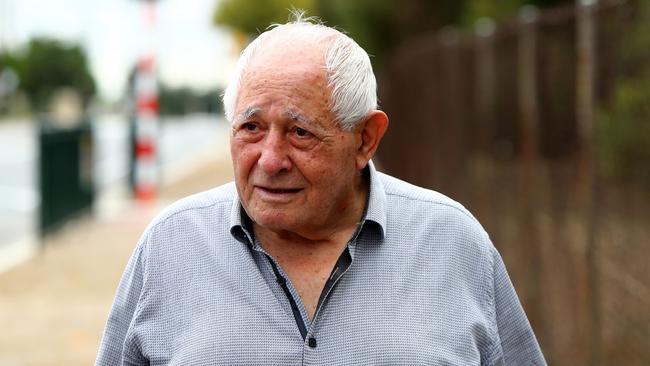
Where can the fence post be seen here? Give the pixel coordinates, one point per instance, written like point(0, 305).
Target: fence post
point(485, 80)
point(585, 110)
point(485, 71)
point(452, 126)
point(529, 173)
point(528, 106)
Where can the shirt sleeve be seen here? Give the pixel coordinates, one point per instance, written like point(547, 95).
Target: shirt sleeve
point(517, 340)
point(114, 349)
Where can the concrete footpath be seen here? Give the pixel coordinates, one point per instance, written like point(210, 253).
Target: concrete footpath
point(53, 307)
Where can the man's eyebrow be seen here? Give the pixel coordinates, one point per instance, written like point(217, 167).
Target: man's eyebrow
point(298, 117)
point(248, 113)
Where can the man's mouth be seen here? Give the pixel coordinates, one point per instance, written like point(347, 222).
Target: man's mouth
point(277, 195)
point(281, 190)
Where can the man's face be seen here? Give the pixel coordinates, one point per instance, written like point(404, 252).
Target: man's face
point(295, 169)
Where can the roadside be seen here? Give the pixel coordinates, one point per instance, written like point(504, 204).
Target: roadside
point(181, 138)
point(53, 307)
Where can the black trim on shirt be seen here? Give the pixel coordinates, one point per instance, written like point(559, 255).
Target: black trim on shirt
point(294, 306)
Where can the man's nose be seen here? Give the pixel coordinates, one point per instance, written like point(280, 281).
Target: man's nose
point(274, 157)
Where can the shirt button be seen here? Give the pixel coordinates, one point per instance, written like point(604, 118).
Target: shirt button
point(281, 280)
point(312, 342)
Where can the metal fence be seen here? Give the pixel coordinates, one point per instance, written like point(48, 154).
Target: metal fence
point(516, 122)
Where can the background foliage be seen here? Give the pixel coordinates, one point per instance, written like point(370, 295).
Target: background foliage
point(46, 65)
point(623, 132)
point(180, 101)
point(379, 26)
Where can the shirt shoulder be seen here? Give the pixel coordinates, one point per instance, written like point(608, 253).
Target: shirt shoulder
point(434, 226)
point(427, 227)
point(427, 204)
point(183, 235)
point(218, 200)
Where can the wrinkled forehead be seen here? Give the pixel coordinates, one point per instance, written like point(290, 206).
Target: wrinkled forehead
point(288, 65)
point(284, 74)
point(298, 69)
point(300, 89)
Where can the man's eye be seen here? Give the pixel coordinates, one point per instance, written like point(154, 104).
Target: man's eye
point(302, 132)
point(250, 126)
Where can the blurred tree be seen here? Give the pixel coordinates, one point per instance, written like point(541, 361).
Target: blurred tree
point(46, 65)
point(253, 16)
point(623, 129)
point(179, 101)
point(380, 25)
point(8, 60)
point(377, 25)
point(500, 9)
point(8, 80)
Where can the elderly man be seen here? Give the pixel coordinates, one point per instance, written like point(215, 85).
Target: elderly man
point(312, 256)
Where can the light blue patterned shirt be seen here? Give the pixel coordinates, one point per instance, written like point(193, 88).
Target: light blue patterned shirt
point(419, 284)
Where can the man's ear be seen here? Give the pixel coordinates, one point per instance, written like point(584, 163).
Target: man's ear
point(371, 131)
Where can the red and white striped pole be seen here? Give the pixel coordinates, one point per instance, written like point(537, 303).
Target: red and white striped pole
point(146, 115)
point(146, 130)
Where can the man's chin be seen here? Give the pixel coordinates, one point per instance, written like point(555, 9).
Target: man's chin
point(275, 221)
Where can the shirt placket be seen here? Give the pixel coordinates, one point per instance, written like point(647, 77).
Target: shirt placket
point(298, 310)
point(306, 328)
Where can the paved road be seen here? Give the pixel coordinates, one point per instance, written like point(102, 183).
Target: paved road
point(180, 139)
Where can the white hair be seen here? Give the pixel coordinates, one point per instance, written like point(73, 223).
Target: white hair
point(349, 73)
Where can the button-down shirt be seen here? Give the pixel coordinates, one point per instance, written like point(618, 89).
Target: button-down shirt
point(419, 283)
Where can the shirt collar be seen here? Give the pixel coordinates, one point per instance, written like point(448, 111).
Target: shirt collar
point(376, 208)
point(241, 224)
